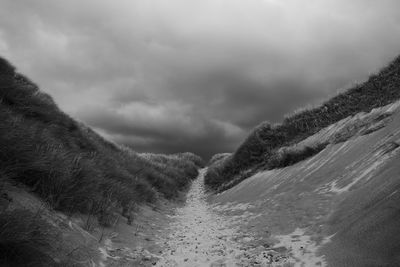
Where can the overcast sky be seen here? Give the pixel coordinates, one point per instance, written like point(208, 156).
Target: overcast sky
point(194, 75)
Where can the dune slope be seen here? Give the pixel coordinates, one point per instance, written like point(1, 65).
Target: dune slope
point(60, 179)
point(339, 207)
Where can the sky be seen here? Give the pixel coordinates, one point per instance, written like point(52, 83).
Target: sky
point(169, 76)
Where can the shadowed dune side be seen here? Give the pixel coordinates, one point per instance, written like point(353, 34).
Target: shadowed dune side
point(71, 171)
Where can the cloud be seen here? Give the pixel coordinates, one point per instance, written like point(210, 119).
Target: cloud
point(167, 128)
point(178, 75)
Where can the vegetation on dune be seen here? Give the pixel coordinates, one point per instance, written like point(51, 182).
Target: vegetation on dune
point(288, 156)
point(24, 240)
point(181, 168)
point(72, 167)
point(189, 156)
point(218, 157)
point(260, 148)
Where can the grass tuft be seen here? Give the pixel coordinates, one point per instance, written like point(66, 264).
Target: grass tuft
point(24, 240)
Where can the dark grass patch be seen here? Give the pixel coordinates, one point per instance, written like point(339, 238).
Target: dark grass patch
point(25, 240)
point(290, 156)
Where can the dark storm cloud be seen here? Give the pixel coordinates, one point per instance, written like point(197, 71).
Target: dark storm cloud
point(179, 75)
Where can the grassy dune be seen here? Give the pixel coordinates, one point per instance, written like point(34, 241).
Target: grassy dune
point(261, 147)
point(344, 199)
point(70, 166)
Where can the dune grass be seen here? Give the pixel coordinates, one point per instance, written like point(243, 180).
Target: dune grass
point(24, 240)
point(289, 156)
point(72, 167)
point(266, 139)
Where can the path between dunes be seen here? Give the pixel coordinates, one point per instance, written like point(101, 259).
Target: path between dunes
point(202, 234)
point(199, 236)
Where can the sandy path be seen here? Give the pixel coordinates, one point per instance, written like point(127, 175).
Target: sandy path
point(199, 235)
